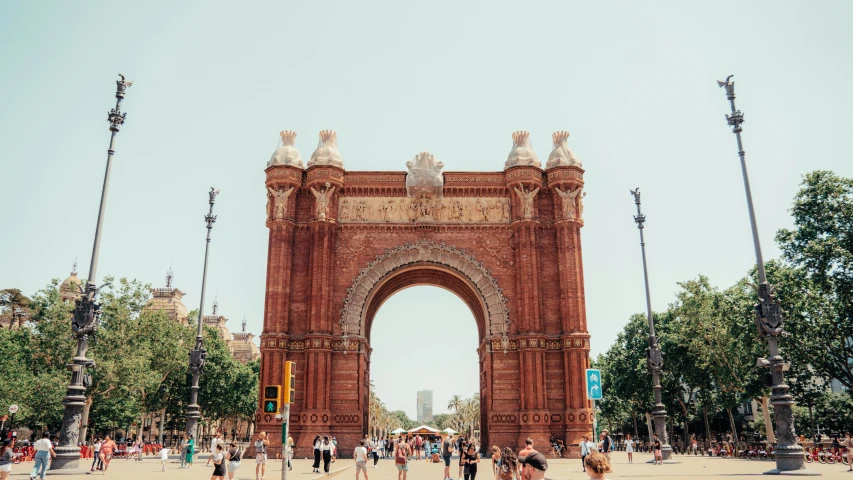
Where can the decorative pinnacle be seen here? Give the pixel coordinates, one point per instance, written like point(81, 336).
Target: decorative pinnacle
point(288, 137)
point(121, 86)
point(559, 137)
point(169, 277)
point(639, 217)
point(326, 135)
point(735, 119)
point(520, 137)
point(210, 218)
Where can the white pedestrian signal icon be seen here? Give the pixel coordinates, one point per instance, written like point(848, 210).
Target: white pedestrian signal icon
point(270, 407)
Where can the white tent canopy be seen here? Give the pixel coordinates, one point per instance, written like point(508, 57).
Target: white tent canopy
point(398, 431)
point(450, 431)
point(424, 430)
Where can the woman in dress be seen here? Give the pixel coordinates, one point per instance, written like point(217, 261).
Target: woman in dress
point(107, 449)
point(234, 455)
point(218, 463)
point(317, 444)
point(463, 447)
point(190, 451)
point(326, 449)
point(629, 448)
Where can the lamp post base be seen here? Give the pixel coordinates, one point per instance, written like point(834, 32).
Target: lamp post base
point(67, 461)
point(666, 456)
point(790, 460)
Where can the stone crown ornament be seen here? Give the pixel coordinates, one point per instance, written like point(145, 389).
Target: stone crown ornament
point(424, 175)
point(327, 151)
point(286, 154)
point(522, 152)
point(562, 155)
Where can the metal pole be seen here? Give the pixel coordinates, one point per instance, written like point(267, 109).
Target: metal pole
point(85, 318)
point(654, 358)
point(284, 431)
point(199, 354)
point(770, 323)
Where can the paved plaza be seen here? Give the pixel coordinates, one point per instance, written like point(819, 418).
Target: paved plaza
point(690, 467)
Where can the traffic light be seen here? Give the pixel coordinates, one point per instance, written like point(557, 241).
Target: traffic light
point(289, 383)
point(271, 398)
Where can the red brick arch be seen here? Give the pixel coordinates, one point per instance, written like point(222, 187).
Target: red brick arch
point(518, 269)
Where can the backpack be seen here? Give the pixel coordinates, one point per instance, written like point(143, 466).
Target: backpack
point(400, 455)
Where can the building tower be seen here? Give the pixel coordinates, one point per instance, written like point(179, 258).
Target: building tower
point(168, 300)
point(72, 287)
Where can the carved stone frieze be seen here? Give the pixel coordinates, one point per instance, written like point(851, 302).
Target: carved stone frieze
point(348, 247)
point(423, 209)
point(352, 313)
point(499, 246)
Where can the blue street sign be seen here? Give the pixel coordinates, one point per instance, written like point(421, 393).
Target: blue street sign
point(593, 384)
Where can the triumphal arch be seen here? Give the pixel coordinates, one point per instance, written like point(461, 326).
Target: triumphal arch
point(507, 243)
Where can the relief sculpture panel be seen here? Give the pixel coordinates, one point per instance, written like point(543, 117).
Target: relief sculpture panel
point(423, 209)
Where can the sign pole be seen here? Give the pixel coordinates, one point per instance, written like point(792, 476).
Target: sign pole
point(284, 453)
point(594, 423)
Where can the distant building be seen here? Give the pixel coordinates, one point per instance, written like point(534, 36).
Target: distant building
point(243, 346)
point(424, 406)
point(168, 300)
point(72, 287)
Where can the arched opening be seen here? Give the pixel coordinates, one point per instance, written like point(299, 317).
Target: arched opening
point(424, 338)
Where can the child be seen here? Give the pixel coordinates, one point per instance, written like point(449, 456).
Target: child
point(164, 456)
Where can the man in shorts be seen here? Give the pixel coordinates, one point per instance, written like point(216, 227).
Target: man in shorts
point(446, 453)
point(261, 455)
point(401, 459)
point(360, 456)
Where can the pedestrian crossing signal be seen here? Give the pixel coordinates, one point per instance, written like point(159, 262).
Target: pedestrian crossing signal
point(272, 396)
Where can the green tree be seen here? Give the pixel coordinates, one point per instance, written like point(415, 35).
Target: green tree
point(821, 244)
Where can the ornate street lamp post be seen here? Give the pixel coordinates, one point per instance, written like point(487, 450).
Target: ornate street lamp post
point(84, 321)
point(199, 354)
point(769, 321)
point(654, 356)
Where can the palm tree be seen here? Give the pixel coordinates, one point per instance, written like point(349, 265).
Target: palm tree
point(455, 403)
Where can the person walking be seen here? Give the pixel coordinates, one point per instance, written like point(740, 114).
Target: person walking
point(463, 447)
point(528, 448)
point(360, 456)
point(43, 451)
point(629, 447)
point(318, 443)
point(597, 466)
point(446, 453)
point(509, 465)
point(234, 455)
point(107, 449)
point(472, 458)
point(288, 450)
point(164, 456)
point(190, 451)
point(658, 453)
point(218, 463)
point(419, 446)
point(496, 462)
point(183, 449)
point(96, 459)
point(213, 443)
point(848, 442)
point(326, 449)
point(401, 459)
point(7, 457)
point(261, 445)
point(586, 448)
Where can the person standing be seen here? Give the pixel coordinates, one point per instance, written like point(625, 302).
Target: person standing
point(318, 444)
point(419, 446)
point(629, 447)
point(190, 451)
point(218, 463)
point(496, 462)
point(401, 459)
point(528, 448)
point(107, 449)
point(326, 449)
point(446, 453)
point(234, 455)
point(427, 449)
point(585, 450)
point(463, 447)
point(96, 460)
point(597, 466)
point(360, 456)
point(261, 445)
point(289, 451)
point(658, 453)
point(183, 449)
point(213, 443)
point(533, 466)
point(43, 450)
point(472, 458)
point(164, 456)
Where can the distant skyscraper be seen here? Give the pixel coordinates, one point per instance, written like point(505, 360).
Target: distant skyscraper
point(425, 406)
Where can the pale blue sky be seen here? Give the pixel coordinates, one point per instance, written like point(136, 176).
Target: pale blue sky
point(632, 81)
